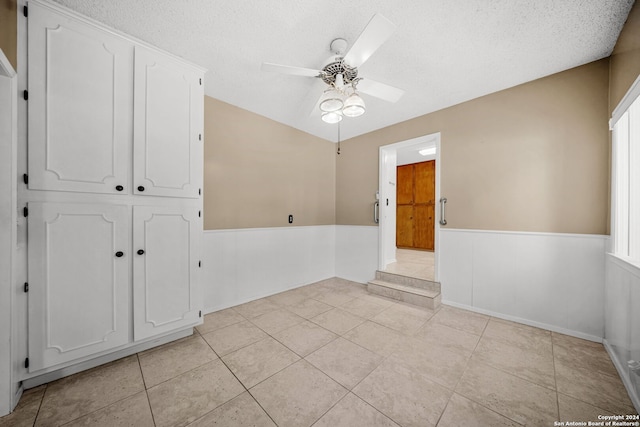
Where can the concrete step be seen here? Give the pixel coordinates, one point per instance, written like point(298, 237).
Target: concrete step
point(412, 295)
point(408, 281)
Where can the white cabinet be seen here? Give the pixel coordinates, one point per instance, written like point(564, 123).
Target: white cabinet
point(80, 105)
point(115, 152)
point(165, 240)
point(79, 294)
point(167, 133)
point(96, 113)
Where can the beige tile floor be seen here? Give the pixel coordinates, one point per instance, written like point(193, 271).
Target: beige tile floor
point(413, 263)
point(330, 354)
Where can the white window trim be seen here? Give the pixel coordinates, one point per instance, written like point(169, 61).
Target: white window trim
point(622, 223)
point(625, 103)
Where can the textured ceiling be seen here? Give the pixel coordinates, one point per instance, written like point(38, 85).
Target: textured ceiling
point(443, 52)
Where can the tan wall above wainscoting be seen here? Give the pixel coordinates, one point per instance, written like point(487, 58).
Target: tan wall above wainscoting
point(530, 158)
point(257, 172)
point(9, 30)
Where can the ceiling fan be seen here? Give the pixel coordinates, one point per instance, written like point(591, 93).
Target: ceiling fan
point(340, 73)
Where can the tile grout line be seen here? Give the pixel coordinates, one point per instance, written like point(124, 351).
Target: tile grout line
point(146, 391)
point(102, 407)
point(44, 393)
point(241, 383)
point(467, 369)
point(555, 379)
point(300, 358)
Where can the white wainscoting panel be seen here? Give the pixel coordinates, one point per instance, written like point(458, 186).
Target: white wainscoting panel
point(356, 252)
point(622, 321)
point(245, 264)
point(553, 281)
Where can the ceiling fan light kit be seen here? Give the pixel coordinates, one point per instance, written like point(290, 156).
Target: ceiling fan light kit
point(340, 73)
point(353, 106)
point(331, 101)
point(332, 117)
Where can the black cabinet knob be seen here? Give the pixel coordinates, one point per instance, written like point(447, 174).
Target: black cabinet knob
point(119, 187)
point(140, 188)
point(119, 254)
point(140, 251)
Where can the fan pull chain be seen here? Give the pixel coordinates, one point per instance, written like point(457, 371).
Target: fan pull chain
point(338, 138)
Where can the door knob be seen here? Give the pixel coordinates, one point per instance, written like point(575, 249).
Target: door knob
point(140, 188)
point(140, 251)
point(119, 187)
point(119, 254)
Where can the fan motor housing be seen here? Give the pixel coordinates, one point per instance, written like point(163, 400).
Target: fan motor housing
point(335, 66)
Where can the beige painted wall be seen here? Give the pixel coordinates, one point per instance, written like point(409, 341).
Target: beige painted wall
point(258, 171)
point(529, 158)
point(625, 59)
point(9, 30)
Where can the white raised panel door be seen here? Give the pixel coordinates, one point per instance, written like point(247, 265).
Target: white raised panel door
point(168, 115)
point(166, 241)
point(80, 105)
point(78, 286)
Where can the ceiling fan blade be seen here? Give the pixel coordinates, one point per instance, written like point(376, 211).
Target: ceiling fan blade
point(287, 69)
point(379, 90)
point(377, 31)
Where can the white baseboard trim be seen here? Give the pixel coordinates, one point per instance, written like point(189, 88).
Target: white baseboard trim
point(92, 363)
point(208, 310)
point(525, 321)
point(623, 371)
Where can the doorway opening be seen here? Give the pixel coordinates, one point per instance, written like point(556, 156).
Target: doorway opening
point(409, 262)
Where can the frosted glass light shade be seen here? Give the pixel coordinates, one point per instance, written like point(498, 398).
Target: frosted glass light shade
point(331, 101)
point(353, 106)
point(331, 117)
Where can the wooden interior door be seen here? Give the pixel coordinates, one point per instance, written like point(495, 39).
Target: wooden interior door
point(404, 185)
point(424, 204)
point(404, 226)
point(404, 206)
point(415, 206)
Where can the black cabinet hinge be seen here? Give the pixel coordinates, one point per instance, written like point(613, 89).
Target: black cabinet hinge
point(26, 287)
point(25, 95)
point(200, 313)
point(25, 211)
point(25, 178)
point(200, 82)
point(199, 263)
point(199, 137)
point(199, 191)
point(25, 11)
point(26, 363)
point(199, 213)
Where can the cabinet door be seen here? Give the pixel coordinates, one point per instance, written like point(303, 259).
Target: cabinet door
point(404, 226)
point(168, 115)
point(425, 182)
point(424, 207)
point(166, 244)
point(404, 185)
point(80, 105)
point(423, 230)
point(78, 286)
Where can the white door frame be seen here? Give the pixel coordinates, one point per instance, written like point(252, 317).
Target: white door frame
point(387, 188)
point(8, 229)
